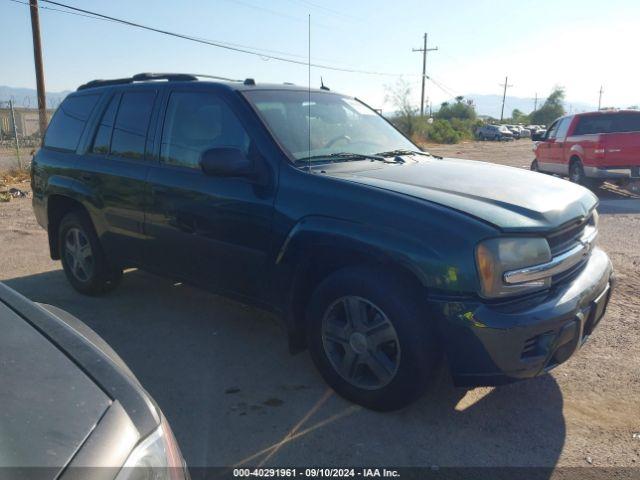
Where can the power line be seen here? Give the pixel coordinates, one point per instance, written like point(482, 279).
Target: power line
point(247, 50)
point(326, 9)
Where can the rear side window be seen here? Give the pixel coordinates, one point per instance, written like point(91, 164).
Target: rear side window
point(131, 124)
point(195, 122)
point(68, 123)
point(103, 135)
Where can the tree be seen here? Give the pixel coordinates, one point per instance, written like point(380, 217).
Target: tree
point(517, 116)
point(406, 118)
point(460, 109)
point(551, 109)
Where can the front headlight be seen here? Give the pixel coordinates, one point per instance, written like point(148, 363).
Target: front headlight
point(157, 457)
point(496, 256)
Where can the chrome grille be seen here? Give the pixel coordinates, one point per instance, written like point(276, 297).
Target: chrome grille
point(571, 249)
point(568, 237)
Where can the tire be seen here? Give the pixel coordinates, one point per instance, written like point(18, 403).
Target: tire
point(83, 260)
point(576, 172)
point(385, 357)
point(534, 166)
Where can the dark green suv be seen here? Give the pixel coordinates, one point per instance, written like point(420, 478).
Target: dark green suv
point(380, 258)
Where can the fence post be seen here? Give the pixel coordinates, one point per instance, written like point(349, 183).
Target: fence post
point(15, 133)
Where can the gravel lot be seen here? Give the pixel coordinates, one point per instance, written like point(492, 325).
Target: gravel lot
point(223, 376)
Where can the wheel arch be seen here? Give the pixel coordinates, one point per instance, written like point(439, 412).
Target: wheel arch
point(318, 247)
point(64, 194)
point(59, 205)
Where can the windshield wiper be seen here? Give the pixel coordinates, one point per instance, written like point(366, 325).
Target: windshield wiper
point(343, 156)
point(399, 152)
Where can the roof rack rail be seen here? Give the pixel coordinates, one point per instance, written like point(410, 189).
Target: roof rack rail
point(216, 77)
point(140, 77)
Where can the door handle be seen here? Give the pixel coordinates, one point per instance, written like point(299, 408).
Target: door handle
point(86, 176)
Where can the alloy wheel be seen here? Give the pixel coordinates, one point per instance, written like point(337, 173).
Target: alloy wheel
point(360, 342)
point(78, 254)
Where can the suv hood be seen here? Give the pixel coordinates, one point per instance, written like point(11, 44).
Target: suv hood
point(510, 198)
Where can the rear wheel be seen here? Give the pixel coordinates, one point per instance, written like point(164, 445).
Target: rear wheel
point(83, 260)
point(534, 166)
point(371, 338)
point(576, 172)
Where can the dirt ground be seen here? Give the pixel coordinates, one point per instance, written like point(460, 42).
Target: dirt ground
point(234, 396)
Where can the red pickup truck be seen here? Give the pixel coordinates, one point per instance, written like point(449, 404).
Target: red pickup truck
point(592, 147)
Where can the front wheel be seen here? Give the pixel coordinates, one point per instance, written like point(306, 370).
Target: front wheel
point(534, 166)
point(371, 338)
point(83, 260)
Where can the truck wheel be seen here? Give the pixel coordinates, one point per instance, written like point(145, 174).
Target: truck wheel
point(371, 338)
point(576, 172)
point(534, 166)
point(83, 260)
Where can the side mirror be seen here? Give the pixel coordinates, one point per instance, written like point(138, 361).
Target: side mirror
point(225, 162)
point(538, 136)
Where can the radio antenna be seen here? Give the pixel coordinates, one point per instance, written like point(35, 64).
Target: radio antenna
point(309, 100)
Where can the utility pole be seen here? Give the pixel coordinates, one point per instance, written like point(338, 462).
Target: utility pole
point(600, 98)
point(37, 57)
point(424, 51)
point(504, 95)
point(15, 133)
point(535, 103)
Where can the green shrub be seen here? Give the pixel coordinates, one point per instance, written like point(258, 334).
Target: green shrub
point(441, 131)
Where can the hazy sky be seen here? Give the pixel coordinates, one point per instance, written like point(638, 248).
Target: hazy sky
point(577, 44)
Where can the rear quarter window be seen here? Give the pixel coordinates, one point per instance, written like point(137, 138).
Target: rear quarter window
point(627, 122)
point(68, 123)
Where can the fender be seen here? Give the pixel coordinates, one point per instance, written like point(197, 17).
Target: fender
point(437, 270)
point(382, 244)
point(436, 264)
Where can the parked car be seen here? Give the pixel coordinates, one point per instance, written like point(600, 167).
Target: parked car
point(515, 130)
point(380, 258)
point(494, 132)
point(71, 408)
point(524, 132)
point(592, 147)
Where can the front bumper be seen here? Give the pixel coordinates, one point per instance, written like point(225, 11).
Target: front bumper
point(490, 344)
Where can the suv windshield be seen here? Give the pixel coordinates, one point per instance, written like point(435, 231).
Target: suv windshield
point(339, 125)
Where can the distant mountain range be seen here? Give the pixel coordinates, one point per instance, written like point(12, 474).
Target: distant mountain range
point(485, 104)
point(28, 97)
point(490, 105)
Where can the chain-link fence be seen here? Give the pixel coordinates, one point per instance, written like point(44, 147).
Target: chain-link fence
point(19, 135)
